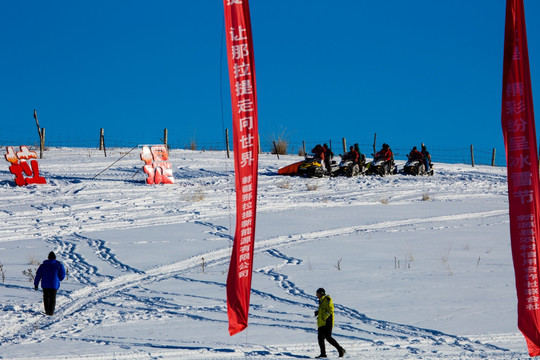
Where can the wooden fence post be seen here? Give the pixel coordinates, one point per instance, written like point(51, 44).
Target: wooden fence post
point(102, 141)
point(101, 138)
point(275, 147)
point(104, 148)
point(227, 143)
point(304, 147)
point(40, 133)
point(493, 158)
point(344, 145)
point(375, 144)
point(472, 156)
point(42, 143)
point(166, 138)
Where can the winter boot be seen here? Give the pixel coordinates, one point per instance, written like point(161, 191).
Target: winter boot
point(341, 352)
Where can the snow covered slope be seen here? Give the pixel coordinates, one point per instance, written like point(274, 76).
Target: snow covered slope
point(418, 267)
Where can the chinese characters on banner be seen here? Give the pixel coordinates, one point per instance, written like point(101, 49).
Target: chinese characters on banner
point(522, 166)
point(246, 149)
point(157, 166)
point(23, 163)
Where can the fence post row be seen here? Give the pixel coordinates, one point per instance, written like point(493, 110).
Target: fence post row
point(41, 132)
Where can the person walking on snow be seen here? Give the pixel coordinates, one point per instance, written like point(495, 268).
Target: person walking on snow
point(325, 322)
point(50, 273)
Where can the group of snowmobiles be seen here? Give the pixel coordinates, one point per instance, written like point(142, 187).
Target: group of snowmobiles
point(313, 167)
point(354, 164)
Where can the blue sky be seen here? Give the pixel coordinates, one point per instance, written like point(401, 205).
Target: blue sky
point(422, 71)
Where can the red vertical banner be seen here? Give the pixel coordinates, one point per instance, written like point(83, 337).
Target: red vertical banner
point(522, 166)
point(246, 152)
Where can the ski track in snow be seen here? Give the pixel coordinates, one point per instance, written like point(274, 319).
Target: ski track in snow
point(93, 210)
point(91, 297)
point(82, 271)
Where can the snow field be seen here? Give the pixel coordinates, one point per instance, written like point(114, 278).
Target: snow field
point(418, 267)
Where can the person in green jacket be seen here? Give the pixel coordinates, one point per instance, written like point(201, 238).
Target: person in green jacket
point(325, 322)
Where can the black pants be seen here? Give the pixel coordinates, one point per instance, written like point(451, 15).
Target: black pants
point(327, 164)
point(325, 333)
point(49, 300)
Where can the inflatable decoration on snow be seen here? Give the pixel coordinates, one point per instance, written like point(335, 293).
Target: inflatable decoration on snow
point(157, 165)
point(23, 163)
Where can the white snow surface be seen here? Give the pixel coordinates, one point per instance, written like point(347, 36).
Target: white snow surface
point(418, 267)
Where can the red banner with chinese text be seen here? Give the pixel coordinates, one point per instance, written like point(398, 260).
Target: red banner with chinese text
point(522, 166)
point(246, 150)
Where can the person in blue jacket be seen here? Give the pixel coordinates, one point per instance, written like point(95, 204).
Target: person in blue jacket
point(50, 273)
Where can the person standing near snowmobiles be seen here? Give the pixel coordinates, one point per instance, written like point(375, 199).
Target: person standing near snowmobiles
point(427, 157)
point(50, 273)
point(325, 322)
point(328, 154)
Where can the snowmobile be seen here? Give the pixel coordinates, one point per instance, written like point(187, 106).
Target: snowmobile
point(348, 168)
point(311, 167)
point(416, 167)
point(381, 167)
